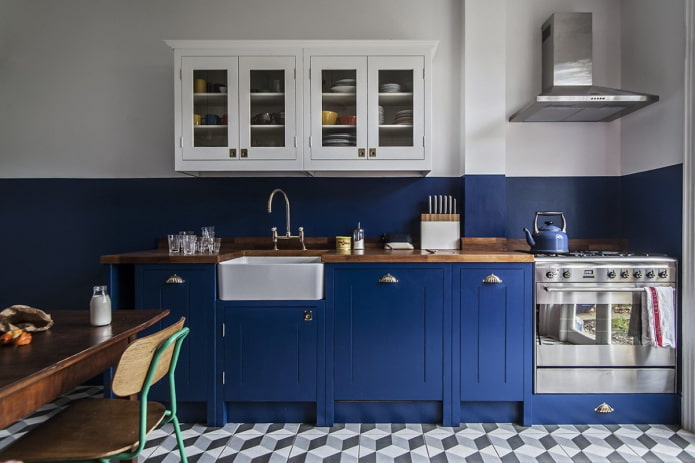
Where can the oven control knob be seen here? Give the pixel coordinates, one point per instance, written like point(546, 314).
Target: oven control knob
point(663, 273)
point(624, 274)
point(611, 274)
point(550, 275)
point(566, 274)
point(637, 274)
point(651, 274)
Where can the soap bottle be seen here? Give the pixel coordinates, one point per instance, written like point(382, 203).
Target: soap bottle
point(358, 238)
point(100, 307)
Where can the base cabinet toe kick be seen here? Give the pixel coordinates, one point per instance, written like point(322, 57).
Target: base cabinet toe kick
point(442, 343)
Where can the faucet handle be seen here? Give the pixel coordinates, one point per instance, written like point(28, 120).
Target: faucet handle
point(274, 230)
point(301, 238)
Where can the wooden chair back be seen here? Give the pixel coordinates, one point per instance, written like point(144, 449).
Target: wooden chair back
point(135, 362)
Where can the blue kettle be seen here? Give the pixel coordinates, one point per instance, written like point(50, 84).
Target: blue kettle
point(548, 238)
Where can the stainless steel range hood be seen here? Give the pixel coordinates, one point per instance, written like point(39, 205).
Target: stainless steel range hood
point(568, 92)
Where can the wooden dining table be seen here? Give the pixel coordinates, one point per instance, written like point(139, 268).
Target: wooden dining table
point(61, 358)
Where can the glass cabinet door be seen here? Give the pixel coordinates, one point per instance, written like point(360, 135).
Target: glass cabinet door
point(208, 95)
point(267, 108)
point(338, 107)
point(396, 107)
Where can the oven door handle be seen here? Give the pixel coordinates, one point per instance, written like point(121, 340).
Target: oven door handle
point(593, 290)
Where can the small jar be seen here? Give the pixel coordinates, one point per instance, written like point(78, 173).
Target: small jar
point(100, 307)
point(358, 238)
point(343, 243)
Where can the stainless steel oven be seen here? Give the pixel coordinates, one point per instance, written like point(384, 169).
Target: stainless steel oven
point(589, 324)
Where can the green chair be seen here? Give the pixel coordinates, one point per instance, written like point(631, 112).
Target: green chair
point(105, 429)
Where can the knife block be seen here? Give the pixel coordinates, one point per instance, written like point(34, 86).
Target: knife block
point(440, 231)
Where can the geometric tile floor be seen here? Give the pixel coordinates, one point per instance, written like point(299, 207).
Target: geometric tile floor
point(401, 443)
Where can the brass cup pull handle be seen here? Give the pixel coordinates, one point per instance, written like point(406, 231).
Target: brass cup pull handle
point(175, 280)
point(388, 278)
point(492, 279)
point(604, 408)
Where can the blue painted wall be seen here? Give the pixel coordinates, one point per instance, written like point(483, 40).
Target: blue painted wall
point(54, 230)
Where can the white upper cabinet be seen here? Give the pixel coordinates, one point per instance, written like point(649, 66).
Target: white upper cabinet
point(367, 108)
point(322, 107)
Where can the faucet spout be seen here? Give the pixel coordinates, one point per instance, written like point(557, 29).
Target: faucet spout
point(287, 207)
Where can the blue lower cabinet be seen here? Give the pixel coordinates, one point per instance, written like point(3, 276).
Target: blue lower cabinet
point(187, 291)
point(391, 334)
point(272, 360)
point(494, 316)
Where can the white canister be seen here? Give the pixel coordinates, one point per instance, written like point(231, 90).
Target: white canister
point(100, 307)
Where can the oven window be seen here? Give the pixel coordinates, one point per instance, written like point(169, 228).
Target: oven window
point(604, 323)
point(584, 324)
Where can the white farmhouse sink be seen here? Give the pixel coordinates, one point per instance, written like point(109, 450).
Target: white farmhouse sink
point(271, 278)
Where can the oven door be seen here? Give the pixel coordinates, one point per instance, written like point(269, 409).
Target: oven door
point(589, 339)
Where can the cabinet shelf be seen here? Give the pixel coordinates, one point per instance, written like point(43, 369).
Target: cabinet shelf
point(219, 97)
point(339, 127)
point(267, 126)
point(209, 127)
point(401, 98)
point(396, 127)
point(268, 98)
point(340, 98)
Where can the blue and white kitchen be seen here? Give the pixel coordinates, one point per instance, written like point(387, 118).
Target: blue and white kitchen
point(453, 230)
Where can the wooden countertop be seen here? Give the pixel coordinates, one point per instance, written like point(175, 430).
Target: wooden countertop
point(374, 254)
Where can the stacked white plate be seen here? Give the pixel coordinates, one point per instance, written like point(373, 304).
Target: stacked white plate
point(389, 88)
point(404, 117)
point(381, 115)
point(339, 139)
point(344, 86)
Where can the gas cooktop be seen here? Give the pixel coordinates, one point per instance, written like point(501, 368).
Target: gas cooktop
point(588, 253)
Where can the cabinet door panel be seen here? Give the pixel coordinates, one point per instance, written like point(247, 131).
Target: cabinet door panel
point(193, 299)
point(209, 138)
point(267, 88)
point(338, 85)
point(492, 335)
point(270, 353)
point(396, 107)
point(388, 336)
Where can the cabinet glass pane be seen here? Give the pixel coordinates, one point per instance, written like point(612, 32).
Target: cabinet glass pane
point(209, 116)
point(396, 107)
point(339, 107)
point(267, 108)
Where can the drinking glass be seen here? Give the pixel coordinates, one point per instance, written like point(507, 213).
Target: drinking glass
point(189, 243)
point(174, 244)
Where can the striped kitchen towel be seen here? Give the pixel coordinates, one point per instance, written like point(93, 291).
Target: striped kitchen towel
point(659, 316)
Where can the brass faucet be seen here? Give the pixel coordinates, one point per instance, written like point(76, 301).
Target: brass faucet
point(288, 234)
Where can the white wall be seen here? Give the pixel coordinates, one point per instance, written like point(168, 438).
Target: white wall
point(571, 149)
point(86, 86)
point(653, 61)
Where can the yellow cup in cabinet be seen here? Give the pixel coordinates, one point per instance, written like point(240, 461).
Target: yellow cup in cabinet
point(200, 86)
point(197, 119)
point(328, 117)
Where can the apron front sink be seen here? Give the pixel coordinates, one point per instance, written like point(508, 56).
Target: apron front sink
point(270, 278)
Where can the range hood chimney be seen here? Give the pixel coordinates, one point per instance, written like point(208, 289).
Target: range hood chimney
point(568, 93)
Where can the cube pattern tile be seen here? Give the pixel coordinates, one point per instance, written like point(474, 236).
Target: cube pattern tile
point(399, 443)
